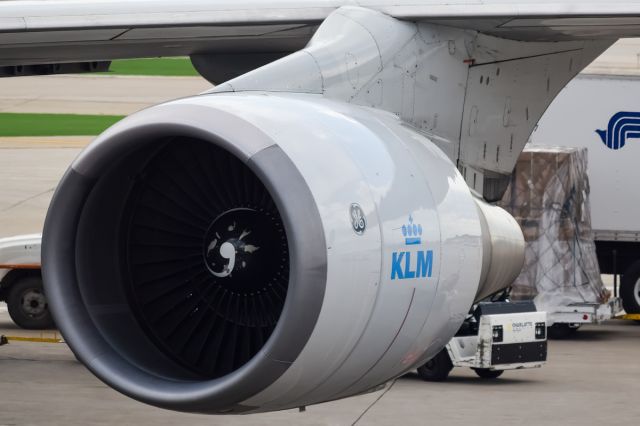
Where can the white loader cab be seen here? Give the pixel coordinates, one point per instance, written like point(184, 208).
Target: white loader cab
point(495, 337)
point(21, 282)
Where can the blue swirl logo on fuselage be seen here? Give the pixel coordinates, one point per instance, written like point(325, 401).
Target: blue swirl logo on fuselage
point(622, 126)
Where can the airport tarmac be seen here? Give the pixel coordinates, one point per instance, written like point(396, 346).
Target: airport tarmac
point(28, 178)
point(93, 94)
point(30, 167)
point(591, 379)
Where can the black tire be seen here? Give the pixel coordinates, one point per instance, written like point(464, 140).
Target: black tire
point(630, 289)
point(27, 305)
point(485, 373)
point(437, 368)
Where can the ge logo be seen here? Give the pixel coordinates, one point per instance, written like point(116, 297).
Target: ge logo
point(358, 220)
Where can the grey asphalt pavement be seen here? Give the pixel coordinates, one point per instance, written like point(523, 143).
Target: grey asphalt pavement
point(589, 380)
point(86, 94)
point(31, 167)
point(28, 178)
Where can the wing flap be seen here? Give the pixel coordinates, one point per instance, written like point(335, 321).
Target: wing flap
point(568, 28)
point(65, 36)
point(53, 31)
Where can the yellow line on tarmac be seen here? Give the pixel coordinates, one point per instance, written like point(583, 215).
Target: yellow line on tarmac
point(20, 266)
point(35, 339)
point(634, 317)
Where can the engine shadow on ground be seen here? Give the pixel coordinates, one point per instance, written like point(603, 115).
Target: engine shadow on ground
point(6, 325)
point(474, 381)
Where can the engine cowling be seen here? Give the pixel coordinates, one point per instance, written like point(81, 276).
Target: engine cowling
point(253, 252)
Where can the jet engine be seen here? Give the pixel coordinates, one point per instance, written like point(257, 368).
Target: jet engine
point(232, 253)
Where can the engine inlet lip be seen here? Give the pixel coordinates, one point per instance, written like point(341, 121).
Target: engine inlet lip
point(307, 257)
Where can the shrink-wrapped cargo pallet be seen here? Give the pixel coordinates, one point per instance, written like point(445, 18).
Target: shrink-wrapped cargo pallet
point(549, 197)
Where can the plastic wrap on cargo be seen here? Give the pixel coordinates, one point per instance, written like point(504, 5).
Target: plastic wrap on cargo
point(549, 197)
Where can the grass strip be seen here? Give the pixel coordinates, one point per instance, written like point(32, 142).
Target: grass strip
point(170, 67)
point(17, 124)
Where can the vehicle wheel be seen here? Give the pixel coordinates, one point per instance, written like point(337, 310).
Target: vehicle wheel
point(485, 373)
point(437, 368)
point(630, 289)
point(27, 305)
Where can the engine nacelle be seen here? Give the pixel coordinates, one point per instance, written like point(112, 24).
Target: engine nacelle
point(253, 252)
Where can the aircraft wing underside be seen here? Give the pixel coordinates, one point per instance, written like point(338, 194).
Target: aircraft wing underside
point(37, 32)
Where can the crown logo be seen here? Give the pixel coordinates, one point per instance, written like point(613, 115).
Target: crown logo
point(412, 232)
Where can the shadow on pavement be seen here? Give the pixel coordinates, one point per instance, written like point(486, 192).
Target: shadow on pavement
point(466, 380)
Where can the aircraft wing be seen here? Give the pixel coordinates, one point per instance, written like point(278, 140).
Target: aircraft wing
point(56, 31)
